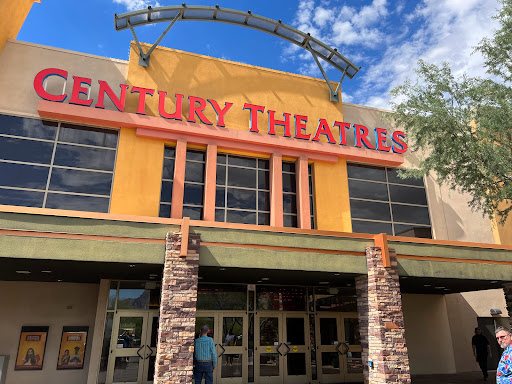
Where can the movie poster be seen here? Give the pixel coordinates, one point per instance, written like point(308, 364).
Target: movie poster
point(72, 348)
point(31, 348)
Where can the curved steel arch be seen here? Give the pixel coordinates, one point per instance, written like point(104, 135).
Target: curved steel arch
point(185, 12)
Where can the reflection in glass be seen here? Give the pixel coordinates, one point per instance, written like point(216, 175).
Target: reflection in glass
point(154, 332)
point(23, 176)
point(21, 198)
point(231, 365)
point(22, 126)
point(85, 135)
point(269, 364)
point(360, 226)
point(29, 151)
point(410, 214)
point(84, 157)
point(269, 331)
point(335, 300)
point(295, 331)
point(281, 298)
point(77, 202)
point(105, 349)
point(352, 335)
point(200, 321)
point(111, 304)
point(151, 368)
point(133, 295)
point(126, 369)
point(241, 199)
point(366, 172)
point(130, 332)
point(368, 190)
point(354, 362)
point(296, 364)
point(369, 210)
point(232, 331)
point(241, 161)
point(193, 194)
point(240, 217)
point(194, 172)
point(241, 177)
point(330, 363)
point(72, 180)
point(195, 213)
point(409, 195)
point(221, 297)
point(328, 331)
point(394, 178)
point(411, 230)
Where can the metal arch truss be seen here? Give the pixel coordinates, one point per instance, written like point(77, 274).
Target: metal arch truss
point(185, 12)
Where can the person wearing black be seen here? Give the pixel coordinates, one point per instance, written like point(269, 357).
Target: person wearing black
point(481, 349)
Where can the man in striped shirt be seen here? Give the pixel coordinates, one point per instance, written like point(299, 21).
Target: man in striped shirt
point(205, 357)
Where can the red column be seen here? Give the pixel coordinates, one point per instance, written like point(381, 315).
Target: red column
point(302, 180)
point(276, 190)
point(210, 183)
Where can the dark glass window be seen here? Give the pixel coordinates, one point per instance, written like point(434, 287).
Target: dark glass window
point(280, 298)
point(243, 190)
point(167, 178)
point(311, 196)
point(221, 297)
point(289, 195)
point(55, 165)
point(382, 202)
point(194, 184)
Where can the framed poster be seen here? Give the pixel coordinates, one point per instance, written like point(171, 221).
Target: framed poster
point(31, 348)
point(72, 348)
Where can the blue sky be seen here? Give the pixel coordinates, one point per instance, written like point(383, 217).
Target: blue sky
point(385, 38)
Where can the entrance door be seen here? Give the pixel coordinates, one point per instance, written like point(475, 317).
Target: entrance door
point(281, 353)
point(338, 348)
point(133, 347)
point(229, 331)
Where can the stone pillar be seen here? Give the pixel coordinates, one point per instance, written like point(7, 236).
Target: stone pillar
point(174, 356)
point(507, 289)
point(385, 357)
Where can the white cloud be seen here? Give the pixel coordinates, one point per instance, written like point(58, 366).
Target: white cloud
point(388, 42)
point(133, 5)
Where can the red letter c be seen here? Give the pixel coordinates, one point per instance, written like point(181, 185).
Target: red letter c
point(40, 78)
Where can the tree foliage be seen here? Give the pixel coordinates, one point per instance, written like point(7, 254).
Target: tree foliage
point(461, 127)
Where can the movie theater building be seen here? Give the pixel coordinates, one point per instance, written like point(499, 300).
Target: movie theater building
point(141, 202)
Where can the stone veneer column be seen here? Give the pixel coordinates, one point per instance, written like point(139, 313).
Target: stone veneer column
point(379, 303)
point(174, 356)
point(507, 289)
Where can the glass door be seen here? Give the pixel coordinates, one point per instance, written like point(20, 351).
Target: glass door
point(296, 351)
point(151, 345)
point(352, 360)
point(229, 332)
point(339, 348)
point(328, 344)
point(128, 347)
point(268, 348)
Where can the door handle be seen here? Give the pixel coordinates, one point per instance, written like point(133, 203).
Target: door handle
point(151, 351)
point(338, 348)
point(286, 345)
point(278, 349)
point(223, 350)
point(138, 351)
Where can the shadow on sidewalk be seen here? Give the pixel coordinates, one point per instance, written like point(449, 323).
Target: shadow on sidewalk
point(465, 377)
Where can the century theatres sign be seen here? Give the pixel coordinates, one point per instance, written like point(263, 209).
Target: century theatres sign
point(337, 133)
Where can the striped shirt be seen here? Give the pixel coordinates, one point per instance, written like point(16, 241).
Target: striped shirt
point(204, 349)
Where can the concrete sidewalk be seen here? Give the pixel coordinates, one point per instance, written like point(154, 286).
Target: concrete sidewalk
point(466, 377)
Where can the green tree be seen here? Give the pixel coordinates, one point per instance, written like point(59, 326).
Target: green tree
point(461, 127)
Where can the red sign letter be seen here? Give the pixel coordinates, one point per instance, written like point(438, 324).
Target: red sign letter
point(41, 77)
point(118, 102)
point(380, 139)
point(253, 119)
point(161, 106)
point(141, 110)
point(323, 129)
point(300, 124)
point(193, 110)
point(220, 112)
point(272, 123)
point(361, 134)
point(78, 89)
point(396, 140)
point(342, 126)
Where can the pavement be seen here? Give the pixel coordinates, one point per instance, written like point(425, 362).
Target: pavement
point(459, 378)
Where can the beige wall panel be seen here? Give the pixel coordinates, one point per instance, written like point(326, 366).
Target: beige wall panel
point(463, 311)
point(45, 304)
point(428, 336)
point(20, 62)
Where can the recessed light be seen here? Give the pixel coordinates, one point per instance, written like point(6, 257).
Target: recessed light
point(427, 285)
point(132, 265)
point(152, 277)
point(23, 272)
point(349, 285)
point(494, 281)
point(222, 269)
point(153, 274)
point(200, 277)
point(323, 282)
point(403, 277)
point(59, 280)
point(446, 289)
point(46, 271)
point(265, 278)
point(336, 274)
point(259, 281)
point(439, 287)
